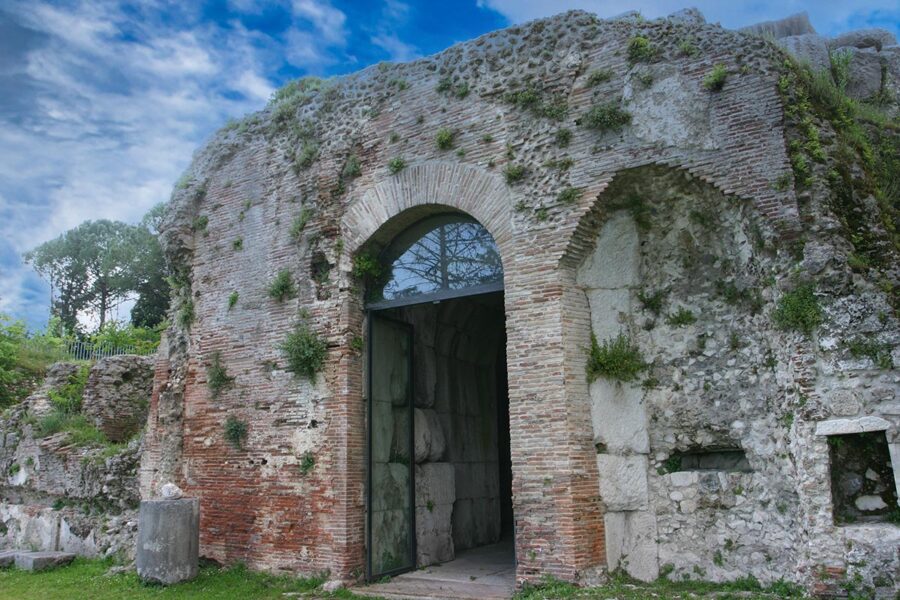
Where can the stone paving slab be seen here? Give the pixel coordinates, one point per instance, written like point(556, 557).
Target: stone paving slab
point(41, 561)
point(7, 558)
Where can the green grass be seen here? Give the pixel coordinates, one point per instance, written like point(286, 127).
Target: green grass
point(86, 579)
point(622, 587)
point(444, 139)
point(640, 50)
point(282, 287)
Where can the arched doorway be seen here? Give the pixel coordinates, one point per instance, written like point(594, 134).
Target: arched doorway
point(439, 469)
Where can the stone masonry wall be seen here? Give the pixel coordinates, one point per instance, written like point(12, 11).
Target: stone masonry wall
point(333, 168)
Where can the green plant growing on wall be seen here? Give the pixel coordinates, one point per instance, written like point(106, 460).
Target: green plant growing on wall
point(444, 139)
point(640, 49)
point(563, 137)
point(400, 84)
point(396, 164)
point(461, 90)
point(217, 378)
point(687, 48)
point(513, 173)
point(356, 343)
point(715, 79)
point(282, 287)
point(307, 463)
point(235, 432)
point(232, 300)
point(304, 159)
point(798, 310)
point(879, 353)
point(186, 313)
point(238, 244)
point(352, 168)
point(305, 352)
point(569, 195)
point(606, 117)
point(367, 267)
point(652, 301)
point(299, 223)
point(595, 78)
point(616, 359)
point(681, 318)
point(444, 85)
point(200, 224)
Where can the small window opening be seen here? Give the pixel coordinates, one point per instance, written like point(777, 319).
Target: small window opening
point(710, 459)
point(862, 479)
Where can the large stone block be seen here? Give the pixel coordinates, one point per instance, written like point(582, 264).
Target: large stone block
point(168, 540)
point(435, 483)
point(864, 38)
point(117, 395)
point(623, 481)
point(631, 543)
point(391, 486)
point(434, 534)
point(808, 47)
point(610, 310)
point(619, 417)
point(42, 561)
point(430, 443)
point(615, 260)
point(866, 66)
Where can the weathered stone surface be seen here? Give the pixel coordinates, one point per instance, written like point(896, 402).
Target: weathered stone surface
point(845, 426)
point(796, 24)
point(864, 38)
point(619, 418)
point(866, 66)
point(170, 491)
point(631, 543)
point(59, 374)
point(168, 540)
point(434, 534)
point(435, 484)
point(623, 482)
point(808, 47)
point(690, 15)
point(7, 558)
point(430, 443)
point(117, 395)
point(42, 561)
point(615, 260)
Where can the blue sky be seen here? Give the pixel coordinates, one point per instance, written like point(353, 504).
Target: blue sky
point(103, 103)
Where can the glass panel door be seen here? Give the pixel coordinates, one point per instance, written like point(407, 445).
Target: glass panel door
point(391, 526)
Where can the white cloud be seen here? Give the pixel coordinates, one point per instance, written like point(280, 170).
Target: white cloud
point(398, 50)
point(828, 16)
point(327, 20)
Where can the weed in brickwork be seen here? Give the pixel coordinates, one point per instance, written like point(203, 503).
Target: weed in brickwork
point(569, 195)
point(235, 432)
point(299, 223)
point(640, 49)
point(681, 318)
point(715, 79)
point(282, 287)
point(616, 359)
point(232, 300)
point(798, 310)
point(217, 378)
point(563, 137)
point(352, 167)
point(652, 300)
point(307, 463)
point(305, 352)
point(395, 165)
point(444, 139)
point(513, 173)
point(595, 78)
point(606, 117)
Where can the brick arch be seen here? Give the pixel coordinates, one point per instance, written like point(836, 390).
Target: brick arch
point(392, 204)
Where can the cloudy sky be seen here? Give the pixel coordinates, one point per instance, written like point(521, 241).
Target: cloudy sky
point(102, 103)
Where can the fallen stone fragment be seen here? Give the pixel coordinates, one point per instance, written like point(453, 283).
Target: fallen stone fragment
point(42, 561)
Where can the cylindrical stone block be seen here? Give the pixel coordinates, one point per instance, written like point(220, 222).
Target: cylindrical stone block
point(168, 544)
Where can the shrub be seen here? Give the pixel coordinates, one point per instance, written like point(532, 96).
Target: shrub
point(798, 310)
point(681, 318)
point(640, 49)
point(367, 267)
point(563, 137)
point(186, 313)
point(617, 359)
point(569, 195)
point(395, 165)
point(200, 223)
point(687, 48)
point(305, 352)
point(598, 77)
point(606, 117)
point(299, 223)
point(715, 80)
point(282, 287)
point(652, 301)
point(235, 432)
point(238, 244)
point(513, 173)
point(352, 168)
point(307, 156)
point(217, 378)
point(444, 139)
point(232, 300)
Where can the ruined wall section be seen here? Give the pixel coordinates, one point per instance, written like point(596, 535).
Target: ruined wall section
point(695, 278)
point(268, 195)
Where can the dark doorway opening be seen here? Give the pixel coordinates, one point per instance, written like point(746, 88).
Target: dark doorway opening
point(459, 465)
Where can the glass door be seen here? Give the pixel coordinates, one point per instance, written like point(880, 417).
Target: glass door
point(391, 527)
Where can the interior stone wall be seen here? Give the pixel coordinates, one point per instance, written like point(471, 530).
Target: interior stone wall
point(726, 377)
point(455, 351)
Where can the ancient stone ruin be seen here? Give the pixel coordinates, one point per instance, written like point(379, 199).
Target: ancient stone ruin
point(622, 291)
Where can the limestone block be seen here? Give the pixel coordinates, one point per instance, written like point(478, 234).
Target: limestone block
point(425, 375)
point(844, 402)
point(609, 311)
point(467, 476)
point(796, 24)
point(690, 15)
point(619, 417)
point(845, 426)
point(168, 540)
point(434, 534)
point(390, 538)
point(7, 558)
point(631, 543)
point(117, 395)
point(865, 72)
point(808, 47)
point(383, 427)
point(430, 443)
point(435, 483)
point(864, 38)
point(42, 561)
point(38, 404)
point(623, 481)
point(463, 524)
point(615, 260)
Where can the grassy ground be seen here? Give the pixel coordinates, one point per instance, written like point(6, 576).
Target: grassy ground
point(88, 580)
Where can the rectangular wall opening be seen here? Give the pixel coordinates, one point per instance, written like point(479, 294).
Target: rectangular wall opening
point(863, 489)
